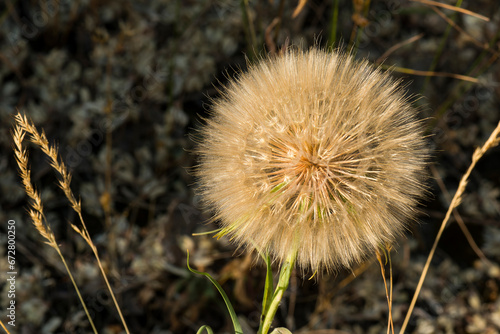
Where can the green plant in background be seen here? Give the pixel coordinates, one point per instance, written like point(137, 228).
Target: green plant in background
point(313, 159)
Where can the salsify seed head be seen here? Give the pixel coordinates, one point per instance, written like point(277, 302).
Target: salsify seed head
point(312, 155)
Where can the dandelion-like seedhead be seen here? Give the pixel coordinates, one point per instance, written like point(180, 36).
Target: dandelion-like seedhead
point(314, 155)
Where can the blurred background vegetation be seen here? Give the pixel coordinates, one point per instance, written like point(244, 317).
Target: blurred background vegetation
point(120, 85)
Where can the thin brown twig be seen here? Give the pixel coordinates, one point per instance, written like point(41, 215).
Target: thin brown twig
point(4, 328)
point(433, 74)
point(281, 10)
point(271, 45)
point(388, 291)
point(458, 218)
point(390, 288)
point(299, 8)
point(492, 141)
point(456, 9)
point(484, 46)
point(393, 48)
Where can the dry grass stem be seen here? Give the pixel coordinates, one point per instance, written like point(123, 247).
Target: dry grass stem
point(4, 328)
point(299, 8)
point(484, 46)
point(492, 141)
point(36, 214)
point(387, 53)
point(40, 139)
point(271, 45)
point(453, 8)
point(458, 218)
point(432, 74)
point(388, 290)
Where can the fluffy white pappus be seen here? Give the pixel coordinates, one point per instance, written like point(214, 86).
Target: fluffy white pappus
point(313, 154)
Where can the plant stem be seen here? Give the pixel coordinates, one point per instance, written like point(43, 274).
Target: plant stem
point(492, 141)
point(96, 254)
point(3, 326)
point(334, 23)
point(441, 46)
point(249, 29)
point(268, 293)
point(76, 287)
point(234, 317)
point(284, 280)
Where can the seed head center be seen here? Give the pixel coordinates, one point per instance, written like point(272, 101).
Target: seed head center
point(309, 167)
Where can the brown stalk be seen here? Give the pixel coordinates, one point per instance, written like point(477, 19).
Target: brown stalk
point(299, 8)
point(458, 218)
point(484, 46)
point(492, 141)
point(388, 290)
point(386, 54)
point(456, 9)
point(432, 74)
point(3, 326)
point(271, 45)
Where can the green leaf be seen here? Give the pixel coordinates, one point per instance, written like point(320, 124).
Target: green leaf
point(207, 232)
point(268, 288)
point(284, 279)
point(234, 318)
point(205, 327)
point(278, 187)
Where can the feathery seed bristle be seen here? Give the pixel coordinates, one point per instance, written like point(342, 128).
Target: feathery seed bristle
point(312, 153)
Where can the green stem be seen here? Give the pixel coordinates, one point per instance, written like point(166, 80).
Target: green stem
point(284, 280)
point(249, 29)
point(205, 328)
point(268, 292)
point(333, 28)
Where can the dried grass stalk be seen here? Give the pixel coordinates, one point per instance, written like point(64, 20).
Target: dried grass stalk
point(492, 141)
point(25, 126)
point(36, 213)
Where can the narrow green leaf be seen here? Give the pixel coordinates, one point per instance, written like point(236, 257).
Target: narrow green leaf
point(234, 318)
point(283, 282)
point(278, 187)
point(333, 25)
point(205, 327)
point(268, 288)
point(207, 232)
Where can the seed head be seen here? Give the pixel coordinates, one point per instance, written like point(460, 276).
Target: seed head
point(313, 154)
